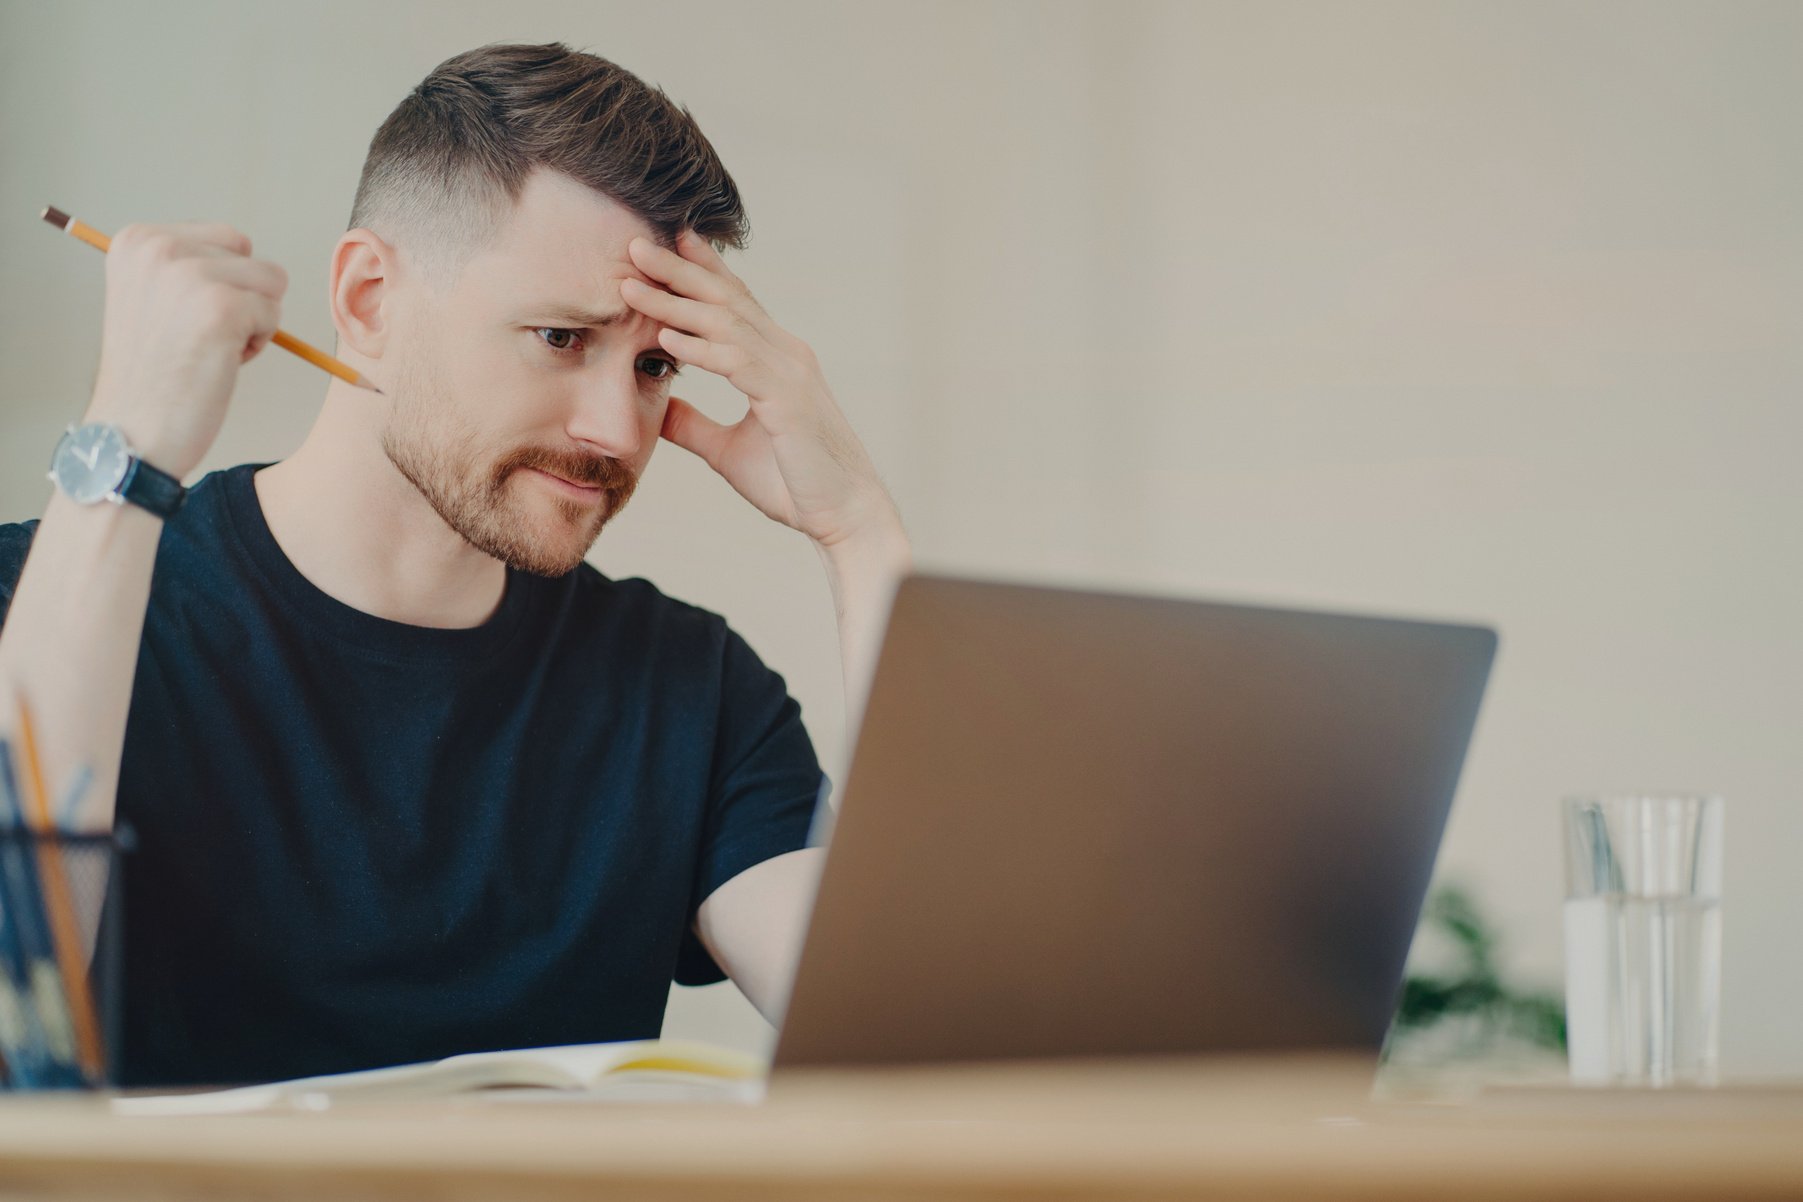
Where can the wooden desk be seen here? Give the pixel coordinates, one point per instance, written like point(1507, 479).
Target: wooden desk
point(1273, 1129)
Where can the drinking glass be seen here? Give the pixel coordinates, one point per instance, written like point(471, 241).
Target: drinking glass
point(1643, 938)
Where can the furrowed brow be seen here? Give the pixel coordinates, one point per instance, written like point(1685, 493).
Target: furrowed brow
point(585, 317)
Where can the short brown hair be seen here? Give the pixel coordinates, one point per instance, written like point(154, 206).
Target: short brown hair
point(449, 162)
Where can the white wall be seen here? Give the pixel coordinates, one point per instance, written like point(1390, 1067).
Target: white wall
point(1463, 309)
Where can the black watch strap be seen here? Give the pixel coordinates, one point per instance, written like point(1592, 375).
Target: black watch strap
point(152, 489)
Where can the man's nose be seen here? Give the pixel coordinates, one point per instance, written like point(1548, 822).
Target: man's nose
point(610, 416)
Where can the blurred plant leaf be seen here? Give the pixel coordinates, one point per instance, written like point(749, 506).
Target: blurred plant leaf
point(1473, 988)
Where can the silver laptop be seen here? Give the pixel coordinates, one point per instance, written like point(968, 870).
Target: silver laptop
point(1082, 823)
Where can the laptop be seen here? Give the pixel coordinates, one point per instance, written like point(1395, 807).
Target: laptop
point(1082, 823)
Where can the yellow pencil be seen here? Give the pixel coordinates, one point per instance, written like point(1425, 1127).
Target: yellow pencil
point(65, 930)
point(283, 339)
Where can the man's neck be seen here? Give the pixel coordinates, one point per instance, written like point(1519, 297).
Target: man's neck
point(361, 532)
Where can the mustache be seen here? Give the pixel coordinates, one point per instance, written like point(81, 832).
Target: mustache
point(595, 471)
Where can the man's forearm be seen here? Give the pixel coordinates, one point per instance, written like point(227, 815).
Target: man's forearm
point(863, 571)
point(70, 643)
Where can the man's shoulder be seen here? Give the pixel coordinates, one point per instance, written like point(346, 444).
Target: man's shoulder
point(15, 543)
point(17, 533)
point(222, 478)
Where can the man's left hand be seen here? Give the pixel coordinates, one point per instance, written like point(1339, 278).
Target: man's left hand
point(793, 454)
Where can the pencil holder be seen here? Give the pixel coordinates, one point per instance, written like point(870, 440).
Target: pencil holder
point(60, 942)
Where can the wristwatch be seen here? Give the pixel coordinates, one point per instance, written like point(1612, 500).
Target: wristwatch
point(94, 463)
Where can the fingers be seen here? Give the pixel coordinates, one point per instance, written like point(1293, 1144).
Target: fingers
point(696, 317)
point(704, 279)
point(721, 358)
point(265, 313)
point(252, 275)
point(170, 239)
point(213, 233)
point(202, 266)
point(717, 286)
point(694, 246)
point(692, 430)
point(707, 316)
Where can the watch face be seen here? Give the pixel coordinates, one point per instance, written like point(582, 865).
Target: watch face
point(90, 462)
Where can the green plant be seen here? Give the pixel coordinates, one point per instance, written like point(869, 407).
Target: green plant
point(1473, 990)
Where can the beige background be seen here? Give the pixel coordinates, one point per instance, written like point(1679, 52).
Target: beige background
point(1469, 310)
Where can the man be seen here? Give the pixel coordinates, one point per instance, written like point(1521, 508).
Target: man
point(408, 778)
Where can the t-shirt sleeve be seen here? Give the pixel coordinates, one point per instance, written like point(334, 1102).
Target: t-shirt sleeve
point(15, 543)
point(762, 788)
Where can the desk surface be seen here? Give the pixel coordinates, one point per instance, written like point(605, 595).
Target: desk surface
point(1271, 1129)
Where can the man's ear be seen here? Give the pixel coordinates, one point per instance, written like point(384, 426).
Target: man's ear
point(363, 272)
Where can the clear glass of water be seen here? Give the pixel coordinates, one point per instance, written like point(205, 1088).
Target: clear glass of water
point(1643, 939)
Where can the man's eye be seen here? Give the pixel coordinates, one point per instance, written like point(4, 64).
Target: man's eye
point(659, 369)
point(560, 339)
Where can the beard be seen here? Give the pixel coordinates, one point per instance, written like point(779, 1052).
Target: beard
point(476, 495)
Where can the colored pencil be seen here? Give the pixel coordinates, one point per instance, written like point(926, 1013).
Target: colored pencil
point(283, 339)
point(29, 1062)
point(48, 1056)
point(65, 927)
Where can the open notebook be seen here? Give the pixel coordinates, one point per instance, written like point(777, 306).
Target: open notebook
point(636, 1070)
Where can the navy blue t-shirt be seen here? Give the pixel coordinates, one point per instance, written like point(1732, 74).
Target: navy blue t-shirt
point(361, 842)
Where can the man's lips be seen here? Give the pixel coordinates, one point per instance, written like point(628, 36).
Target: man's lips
point(583, 492)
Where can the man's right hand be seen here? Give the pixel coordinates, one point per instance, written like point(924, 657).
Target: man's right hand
point(186, 306)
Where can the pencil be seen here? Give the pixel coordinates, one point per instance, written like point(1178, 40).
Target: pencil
point(65, 930)
point(283, 339)
point(49, 1058)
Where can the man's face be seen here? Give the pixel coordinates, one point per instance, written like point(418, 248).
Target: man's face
point(527, 398)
